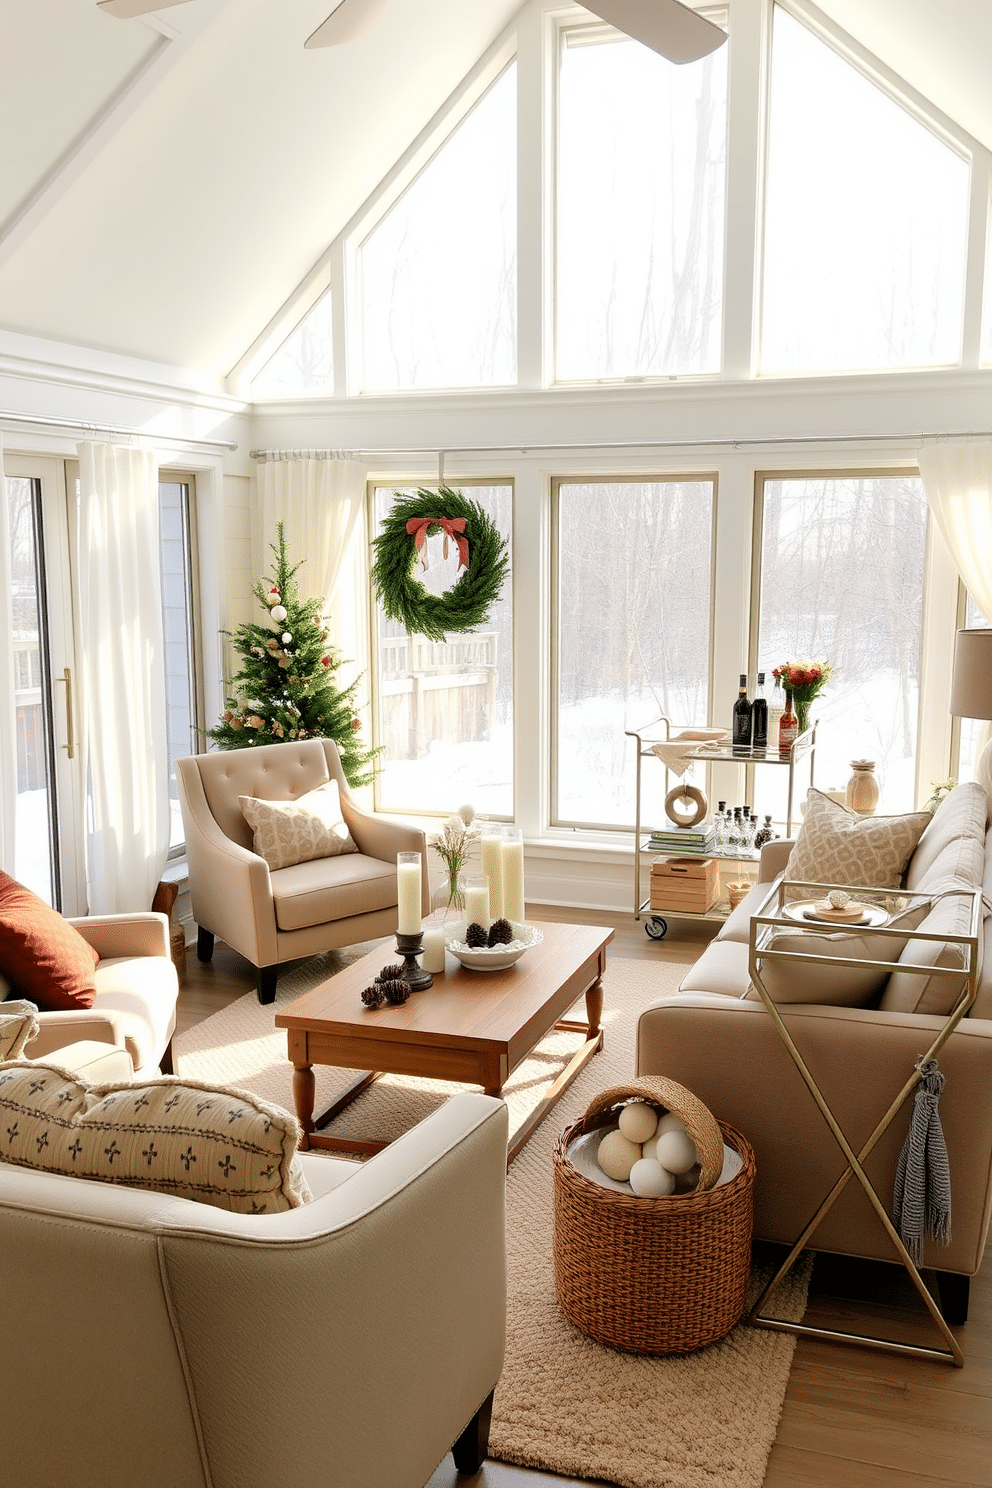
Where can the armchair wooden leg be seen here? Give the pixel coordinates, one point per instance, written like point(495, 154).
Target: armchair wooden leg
point(204, 943)
point(265, 981)
point(954, 1292)
point(472, 1447)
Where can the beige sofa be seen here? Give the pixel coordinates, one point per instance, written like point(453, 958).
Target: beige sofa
point(136, 992)
point(348, 1343)
point(727, 1050)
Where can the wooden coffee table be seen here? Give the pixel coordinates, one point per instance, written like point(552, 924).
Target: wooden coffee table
point(471, 1026)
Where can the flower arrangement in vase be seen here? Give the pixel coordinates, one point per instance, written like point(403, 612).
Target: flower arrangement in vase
point(453, 845)
point(805, 680)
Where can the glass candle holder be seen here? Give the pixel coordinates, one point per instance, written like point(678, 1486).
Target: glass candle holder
point(477, 902)
point(512, 853)
point(409, 884)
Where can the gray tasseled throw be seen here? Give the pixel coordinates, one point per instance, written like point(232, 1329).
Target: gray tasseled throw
point(921, 1202)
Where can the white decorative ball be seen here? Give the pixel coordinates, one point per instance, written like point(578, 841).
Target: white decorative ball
point(676, 1151)
point(617, 1155)
point(278, 612)
point(467, 814)
point(650, 1147)
point(286, 638)
point(670, 1122)
point(649, 1179)
point(638, 1122)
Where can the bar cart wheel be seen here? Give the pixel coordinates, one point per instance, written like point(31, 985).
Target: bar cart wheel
point(656, 927)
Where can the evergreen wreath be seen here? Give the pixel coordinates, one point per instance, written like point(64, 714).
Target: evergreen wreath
point(482, 551)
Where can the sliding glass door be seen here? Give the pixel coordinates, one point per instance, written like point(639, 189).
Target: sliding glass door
point(47, 844)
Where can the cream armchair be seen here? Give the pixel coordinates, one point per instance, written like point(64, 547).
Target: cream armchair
point(348, 1343)
point(275, 916)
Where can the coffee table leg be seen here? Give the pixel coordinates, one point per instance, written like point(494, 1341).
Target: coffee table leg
point(594, 1007)
point(304, 1088)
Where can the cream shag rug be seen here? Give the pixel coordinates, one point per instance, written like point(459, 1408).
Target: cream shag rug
point(564, 1403)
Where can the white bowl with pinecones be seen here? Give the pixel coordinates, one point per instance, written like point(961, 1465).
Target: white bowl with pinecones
point(497, 952)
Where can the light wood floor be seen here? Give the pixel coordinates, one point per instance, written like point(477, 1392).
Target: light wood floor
point(853, 1417)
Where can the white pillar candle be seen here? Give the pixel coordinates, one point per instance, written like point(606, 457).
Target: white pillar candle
point(512, 853)
point(433, 957)
point(408, 890)
point(477, 902)
point(490, 846)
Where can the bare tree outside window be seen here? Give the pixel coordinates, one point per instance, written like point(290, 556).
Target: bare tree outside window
point(842, 561)
point(640, 203)
point(633, 634)
point(305, 361)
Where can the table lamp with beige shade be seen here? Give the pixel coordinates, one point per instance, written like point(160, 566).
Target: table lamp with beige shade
point(971, 692)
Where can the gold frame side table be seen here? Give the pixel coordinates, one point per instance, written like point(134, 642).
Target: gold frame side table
point(764, 923)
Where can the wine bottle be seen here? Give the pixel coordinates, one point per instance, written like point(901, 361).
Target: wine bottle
point(788, 727)
point(741, 728)
point(759, 716)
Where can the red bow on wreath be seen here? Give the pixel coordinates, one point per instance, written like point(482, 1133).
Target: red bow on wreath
point(451, 526)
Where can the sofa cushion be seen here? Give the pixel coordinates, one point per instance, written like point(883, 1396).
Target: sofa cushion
point(41, 953)
point(831, 985)
point(909, 992)
point(721, 968)
point(194, 1141)
point(961, 814)
point(288, 832)
point(737, 925)
point(332, 889)
point(959, 864)
point(836, 846)
point(18, 1025)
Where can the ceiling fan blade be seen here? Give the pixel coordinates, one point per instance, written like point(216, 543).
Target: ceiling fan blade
point(126, 10)
point(349, 20)
point(666, 26)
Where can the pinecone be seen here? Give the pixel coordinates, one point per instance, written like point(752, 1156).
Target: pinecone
point(500, 932)
point(395, 990)
point(391, 973)
point(475, 937)
point(373, 996)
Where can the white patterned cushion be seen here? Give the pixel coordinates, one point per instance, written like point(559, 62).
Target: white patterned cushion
point(219, 1146)
point(836, 846)
point(18, 1025)
point(288, 832)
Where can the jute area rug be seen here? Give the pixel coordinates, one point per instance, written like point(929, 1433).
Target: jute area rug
point(564, 1403)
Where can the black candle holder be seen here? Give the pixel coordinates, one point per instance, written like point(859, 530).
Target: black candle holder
point(413, 975)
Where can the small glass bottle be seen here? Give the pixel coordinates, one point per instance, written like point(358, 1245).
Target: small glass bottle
point(788, 727)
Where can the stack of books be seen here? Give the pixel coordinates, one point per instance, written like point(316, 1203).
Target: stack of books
point(699, 839)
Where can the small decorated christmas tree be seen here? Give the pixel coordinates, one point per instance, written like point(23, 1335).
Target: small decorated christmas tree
point(286, 686)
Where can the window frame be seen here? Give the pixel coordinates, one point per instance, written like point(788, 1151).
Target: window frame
point(186, 480)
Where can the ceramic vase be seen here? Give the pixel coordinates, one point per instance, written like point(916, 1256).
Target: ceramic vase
point(862, 788)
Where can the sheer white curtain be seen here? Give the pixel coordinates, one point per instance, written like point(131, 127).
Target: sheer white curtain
point(8, 730)
point(958, 481)
point(122, 702)
point(321, 501)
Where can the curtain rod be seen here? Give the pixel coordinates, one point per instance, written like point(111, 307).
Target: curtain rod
point(624, 444)
point(9, 416)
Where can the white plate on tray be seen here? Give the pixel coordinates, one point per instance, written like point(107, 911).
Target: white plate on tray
point(873, 915)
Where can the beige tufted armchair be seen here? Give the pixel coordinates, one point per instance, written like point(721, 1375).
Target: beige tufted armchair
point(275, 916)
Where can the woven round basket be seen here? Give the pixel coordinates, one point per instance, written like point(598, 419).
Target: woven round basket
point(654, 1275)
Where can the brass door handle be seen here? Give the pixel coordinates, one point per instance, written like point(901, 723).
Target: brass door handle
point(70, 734)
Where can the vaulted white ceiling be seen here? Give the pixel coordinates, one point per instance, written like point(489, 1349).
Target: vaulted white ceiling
point(165, 184)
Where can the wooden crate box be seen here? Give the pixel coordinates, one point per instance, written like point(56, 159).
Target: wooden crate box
point(691, 885)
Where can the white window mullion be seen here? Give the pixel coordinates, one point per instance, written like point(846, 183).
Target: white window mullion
point(534, 145)
point(746, 125)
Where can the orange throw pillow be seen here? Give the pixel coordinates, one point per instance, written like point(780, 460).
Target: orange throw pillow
point(41, 953)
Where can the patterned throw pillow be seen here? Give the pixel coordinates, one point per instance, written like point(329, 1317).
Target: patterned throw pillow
point(18, 1026)
point(221, 1147)
point(836, 846)
point(288, 832)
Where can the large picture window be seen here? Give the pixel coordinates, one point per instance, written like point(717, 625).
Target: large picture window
point(437, 277)
point(842, 563)
point(444, 709)
point(633, 579)
point(866, 221)
point(640, 202)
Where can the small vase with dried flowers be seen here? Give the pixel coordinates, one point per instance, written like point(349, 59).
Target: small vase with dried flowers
point(453, 845)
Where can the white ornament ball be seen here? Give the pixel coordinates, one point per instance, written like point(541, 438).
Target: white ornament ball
point(638, 1122)
point(617, 1155)
point(286, 638)
point(676, 1151)
point(670, 1122)
point(649, 1179)
point(278, 612)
